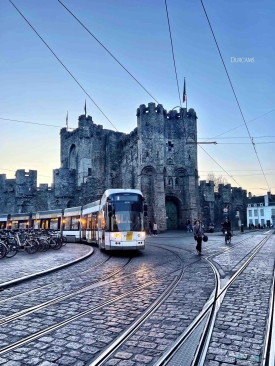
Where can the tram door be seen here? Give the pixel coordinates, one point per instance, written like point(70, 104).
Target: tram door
point(171, 215)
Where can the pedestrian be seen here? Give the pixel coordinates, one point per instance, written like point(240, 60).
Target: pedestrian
point(198, 235)
point(155, 229)
point(188, 226)
point(150, 227)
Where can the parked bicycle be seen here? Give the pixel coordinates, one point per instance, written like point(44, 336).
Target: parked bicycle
point(227, 236)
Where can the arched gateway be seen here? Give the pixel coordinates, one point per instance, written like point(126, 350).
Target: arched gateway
point(172, 214)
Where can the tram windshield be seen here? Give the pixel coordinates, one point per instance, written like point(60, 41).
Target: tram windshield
point(125, 213)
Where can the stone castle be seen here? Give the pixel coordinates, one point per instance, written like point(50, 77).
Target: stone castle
point(159, 157)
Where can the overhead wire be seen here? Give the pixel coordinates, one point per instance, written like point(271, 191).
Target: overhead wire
point(220, 166)
point(32, 123)
point(106, 49)
point(172, 47)
point(232, 129)
point(11, 170)
point(252, 142)
point(234, 137)
point(63, 65)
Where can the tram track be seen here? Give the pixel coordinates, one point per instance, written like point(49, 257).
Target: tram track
point(210, 312)
point(97, 307)
point(136, 325)
point(109, 351)
point(82, 314)
point(52, 283)
point(60, 298)
point(72, 293)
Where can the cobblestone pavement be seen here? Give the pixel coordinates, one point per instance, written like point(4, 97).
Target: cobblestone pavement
point(24, 264)
point(170, 320)
point(240, 327)
point(83, 339)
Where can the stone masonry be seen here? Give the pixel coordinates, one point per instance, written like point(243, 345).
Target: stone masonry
point(159, 157)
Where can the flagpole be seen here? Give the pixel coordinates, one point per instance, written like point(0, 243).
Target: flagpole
point(67, 121)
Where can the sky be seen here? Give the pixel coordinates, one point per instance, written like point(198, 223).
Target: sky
point(34, 87)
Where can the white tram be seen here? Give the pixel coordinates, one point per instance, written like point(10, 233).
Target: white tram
point(71, 223)
point(3, 221)
point(116, 222)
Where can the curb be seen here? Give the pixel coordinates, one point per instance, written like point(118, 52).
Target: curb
point(4, 285)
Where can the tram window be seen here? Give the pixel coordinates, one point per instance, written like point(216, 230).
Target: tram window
point(67, 225)
point(36, 224)
point(2, 225)
point(22, 225)
point(14, 225)
point(54, 224)
point(84, 223)
point(75, 222)
point(45, 224)
point(89, 221)
point(125, 197)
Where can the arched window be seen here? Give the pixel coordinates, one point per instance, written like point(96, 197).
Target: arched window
point(72, 157)
point(70, 204)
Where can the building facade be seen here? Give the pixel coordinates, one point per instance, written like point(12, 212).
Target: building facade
point(261, 210)
point(159, 157)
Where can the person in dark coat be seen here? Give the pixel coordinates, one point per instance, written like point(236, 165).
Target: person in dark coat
point(227, 226)
point(198, 235)
point(150, 226)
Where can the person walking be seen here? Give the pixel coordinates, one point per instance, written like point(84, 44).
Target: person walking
point(155, 229)
point(198, 235)
point(188, 226)
point(150, 226)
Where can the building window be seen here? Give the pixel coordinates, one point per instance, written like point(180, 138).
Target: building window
point(255, 212)
point(169, 146)
point(256, 222)
point(250, 221)
point(177, 181)
point(250, 213)
point(89, 172)
point(262, 212)
point(262, 222)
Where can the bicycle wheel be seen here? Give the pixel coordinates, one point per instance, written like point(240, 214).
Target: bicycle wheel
point(31, 247)
point(3, 250)
point(12, 250)
point(57, 245)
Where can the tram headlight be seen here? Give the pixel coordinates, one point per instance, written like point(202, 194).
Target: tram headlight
point(141, 235)
point(116, 236)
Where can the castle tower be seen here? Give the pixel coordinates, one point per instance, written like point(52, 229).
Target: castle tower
point(167, 150)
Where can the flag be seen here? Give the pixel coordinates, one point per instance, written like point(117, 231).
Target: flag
point(67, 120)
point(184, 92)
point(85, 110)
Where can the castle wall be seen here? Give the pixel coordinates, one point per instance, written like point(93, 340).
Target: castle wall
point(159, 157)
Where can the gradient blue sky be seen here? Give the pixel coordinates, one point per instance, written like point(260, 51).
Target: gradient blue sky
point(36, 88)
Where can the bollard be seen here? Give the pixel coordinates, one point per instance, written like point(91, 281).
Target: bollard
point(241, 228)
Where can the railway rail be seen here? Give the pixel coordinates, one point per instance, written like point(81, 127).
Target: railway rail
point(199, 330)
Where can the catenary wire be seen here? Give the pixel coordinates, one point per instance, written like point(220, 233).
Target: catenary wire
point(106, 49)
point(172, 47)
point(253, 144)
point(72, 75)
point(32, 123)
point(220, 166)
point(235, 137)
point(11, 170)
point(245, 143)
point(232, 129)
point(63, 65)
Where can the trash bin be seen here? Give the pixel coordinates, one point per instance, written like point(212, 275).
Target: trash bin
point(241, 228)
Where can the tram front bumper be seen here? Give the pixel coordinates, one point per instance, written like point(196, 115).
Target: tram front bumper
point(126, 245)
